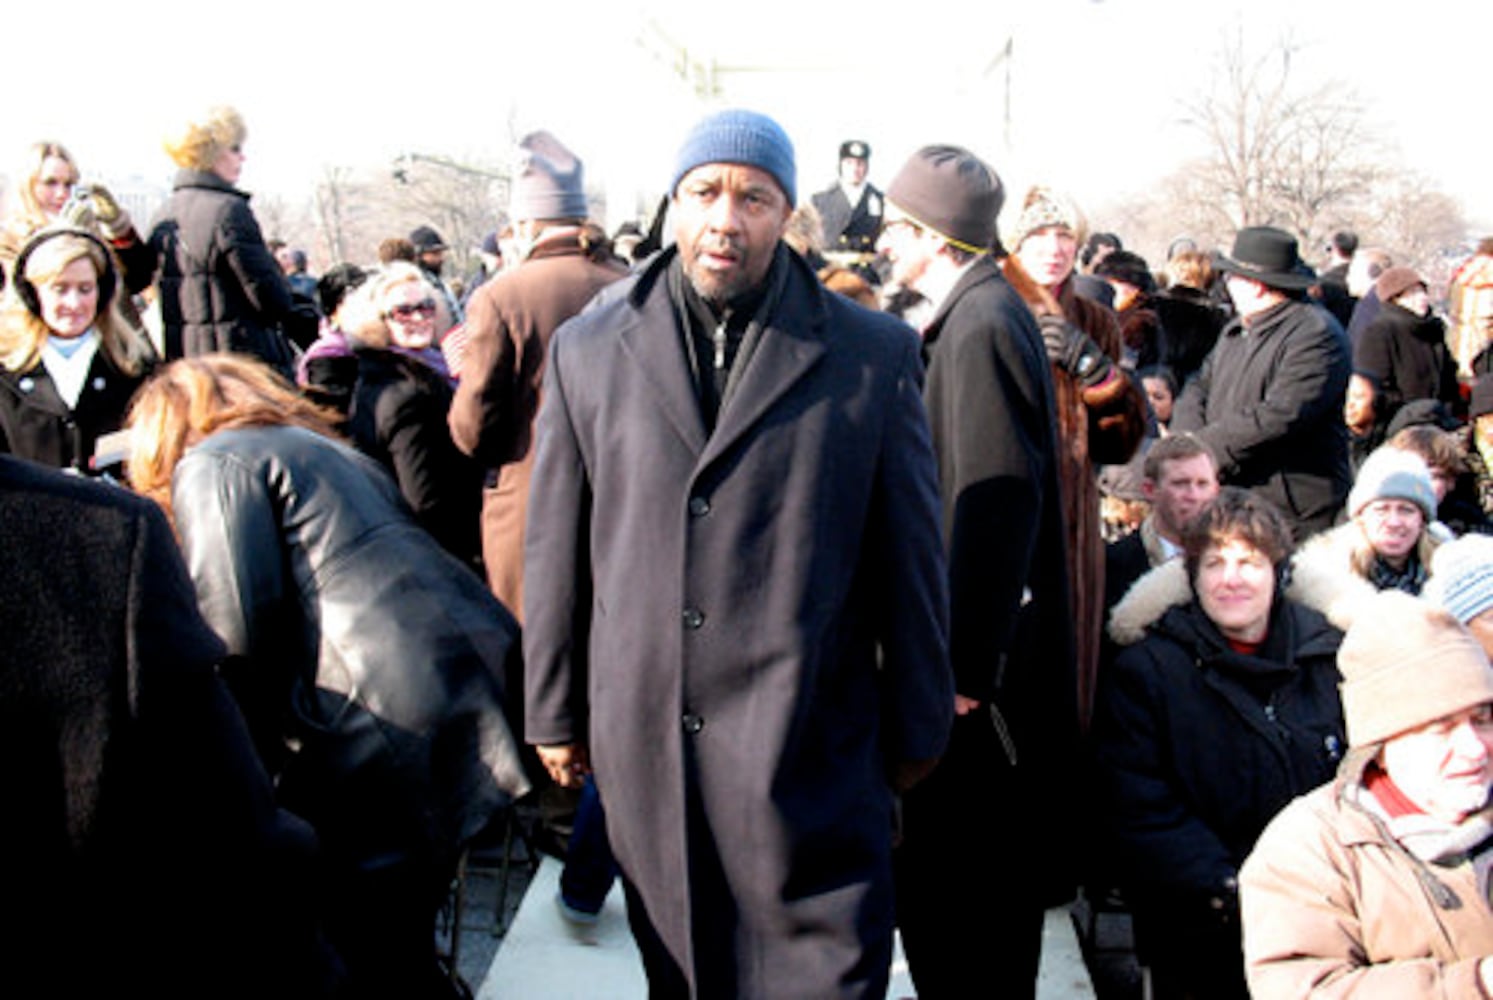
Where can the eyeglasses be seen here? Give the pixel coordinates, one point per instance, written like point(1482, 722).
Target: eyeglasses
point(407, 310)
point(891, 224)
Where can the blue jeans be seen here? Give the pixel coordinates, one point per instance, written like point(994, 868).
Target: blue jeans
point(589, 867)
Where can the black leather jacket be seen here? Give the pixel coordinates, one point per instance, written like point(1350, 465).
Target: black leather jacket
point(371, 666)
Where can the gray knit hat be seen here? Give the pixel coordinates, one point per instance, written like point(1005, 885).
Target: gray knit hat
point(951, 191)
point(1405, 663)
point(737, 136)
point(1393, 474)
point(547, 180)
point(1462, 576)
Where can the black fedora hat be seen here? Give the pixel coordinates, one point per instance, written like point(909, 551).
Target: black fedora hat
point(1268, 255)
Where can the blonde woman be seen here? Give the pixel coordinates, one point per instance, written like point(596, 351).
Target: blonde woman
point(68, 362)
point(47, 194)
point(369, 665)
point(399, 401)
point(219, 286)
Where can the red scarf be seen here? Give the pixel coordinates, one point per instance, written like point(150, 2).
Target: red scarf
point(1382, 787)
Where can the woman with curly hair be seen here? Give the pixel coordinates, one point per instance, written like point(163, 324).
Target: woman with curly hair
point(220, 288)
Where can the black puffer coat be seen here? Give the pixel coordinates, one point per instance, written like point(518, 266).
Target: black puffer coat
point(220, 288)
point(370, 665)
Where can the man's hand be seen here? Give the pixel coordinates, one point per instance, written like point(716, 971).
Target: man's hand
point(963, 705)
point(567, 763)
point(906, 773)
point(1074, 351)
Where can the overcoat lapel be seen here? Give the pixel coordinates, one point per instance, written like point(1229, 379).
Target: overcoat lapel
point(651, 340)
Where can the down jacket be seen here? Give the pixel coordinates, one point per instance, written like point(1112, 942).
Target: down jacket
point(370, 665)
point(1197, 746)
point(1334, 908)
point(219, 287)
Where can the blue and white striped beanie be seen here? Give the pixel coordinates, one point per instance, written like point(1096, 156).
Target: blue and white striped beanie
point(1462, 576)
point(738, 136)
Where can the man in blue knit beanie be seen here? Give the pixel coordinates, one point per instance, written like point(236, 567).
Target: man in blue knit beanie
point(735, 596)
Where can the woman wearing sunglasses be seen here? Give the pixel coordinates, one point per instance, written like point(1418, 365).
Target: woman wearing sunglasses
point(399, 402)
point(219, 287)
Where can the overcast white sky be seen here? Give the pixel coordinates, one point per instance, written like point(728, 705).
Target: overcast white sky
point(1094, 85)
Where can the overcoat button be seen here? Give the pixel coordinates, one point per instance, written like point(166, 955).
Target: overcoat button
point(693, 618)
point(693, 723)
point(699, 506)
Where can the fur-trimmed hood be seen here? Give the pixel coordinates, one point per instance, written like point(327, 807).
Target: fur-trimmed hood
point(1321, 577)
point(1316, 586)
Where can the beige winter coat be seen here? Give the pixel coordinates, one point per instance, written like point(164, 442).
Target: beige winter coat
point(1333, 908)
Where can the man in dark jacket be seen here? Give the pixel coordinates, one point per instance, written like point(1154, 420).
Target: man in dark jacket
point(735, 601)
point(1404, 349)
point(219, 287)
point(133, 792)
point(990, 399)
point(1269, 399)
point(510, 320)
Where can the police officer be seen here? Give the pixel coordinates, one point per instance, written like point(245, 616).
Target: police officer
point(851, 212)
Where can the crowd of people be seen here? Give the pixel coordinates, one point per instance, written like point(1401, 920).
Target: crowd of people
point(865, 561)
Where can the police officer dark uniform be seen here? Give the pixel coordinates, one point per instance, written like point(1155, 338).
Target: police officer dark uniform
point(850, 212)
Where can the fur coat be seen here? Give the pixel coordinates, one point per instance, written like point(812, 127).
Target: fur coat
point(1099, 426)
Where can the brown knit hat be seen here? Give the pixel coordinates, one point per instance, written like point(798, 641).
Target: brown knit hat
point(951, 191)
point(1396, 282)
point(1406, 663)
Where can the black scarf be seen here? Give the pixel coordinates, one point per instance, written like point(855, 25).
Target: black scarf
point(719, 340)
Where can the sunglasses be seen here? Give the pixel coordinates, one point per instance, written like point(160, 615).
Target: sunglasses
point(403, 311)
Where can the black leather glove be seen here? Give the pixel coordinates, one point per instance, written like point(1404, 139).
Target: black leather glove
point(1074, 351)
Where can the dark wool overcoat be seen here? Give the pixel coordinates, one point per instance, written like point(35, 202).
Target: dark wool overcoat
point(132, 791)
point(990, 400)
point(748, 623)
point(219, 286)
point(1269, 402)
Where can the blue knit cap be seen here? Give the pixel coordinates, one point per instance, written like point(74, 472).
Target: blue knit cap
point(738, 136)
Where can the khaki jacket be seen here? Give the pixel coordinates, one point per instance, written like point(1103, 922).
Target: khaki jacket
point(1333, 908)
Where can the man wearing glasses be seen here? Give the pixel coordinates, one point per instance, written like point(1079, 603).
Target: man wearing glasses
point(990, 401)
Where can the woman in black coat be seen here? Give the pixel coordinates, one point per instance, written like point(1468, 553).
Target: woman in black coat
point(219, 287)
point(69, 363)
point(1222, 708)
point(370, 666)
point(399, 403)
